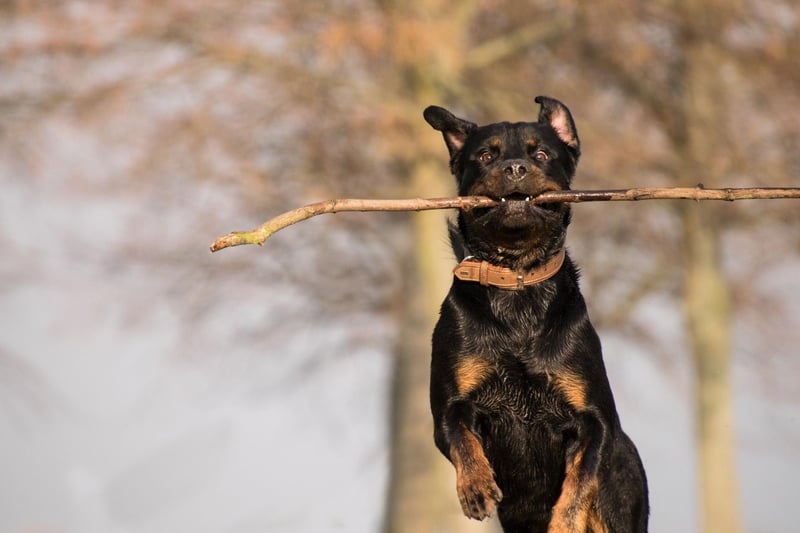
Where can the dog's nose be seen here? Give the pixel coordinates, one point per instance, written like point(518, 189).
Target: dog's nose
point(515, 170)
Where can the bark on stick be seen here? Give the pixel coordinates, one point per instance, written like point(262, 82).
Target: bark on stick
point(264, 231)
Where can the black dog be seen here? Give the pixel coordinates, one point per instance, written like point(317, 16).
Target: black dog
point(521, 402)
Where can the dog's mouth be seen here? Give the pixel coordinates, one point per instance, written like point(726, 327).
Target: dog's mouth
point(518, 209)
point(518, 200)
point(515, 197)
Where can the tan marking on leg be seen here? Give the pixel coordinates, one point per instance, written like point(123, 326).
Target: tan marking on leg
point(471, 371)
point(477, 491)
point(571, 513)
point(596, 522)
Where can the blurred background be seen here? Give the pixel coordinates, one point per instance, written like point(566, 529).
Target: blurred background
point(149, 386)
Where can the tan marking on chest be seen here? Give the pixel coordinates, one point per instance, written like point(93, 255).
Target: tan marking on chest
point(572, 387)
point(470, 372)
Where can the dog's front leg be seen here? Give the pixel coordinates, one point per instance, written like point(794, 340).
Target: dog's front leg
point(576, 509)
point(477, 490)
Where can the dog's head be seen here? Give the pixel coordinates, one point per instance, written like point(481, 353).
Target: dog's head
point(511, 163)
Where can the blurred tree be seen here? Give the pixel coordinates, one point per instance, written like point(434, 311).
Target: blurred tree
point(682, 64)
point(268, 105)
point(706, 289)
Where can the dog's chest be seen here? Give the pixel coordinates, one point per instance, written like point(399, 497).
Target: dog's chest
point(519, 388)
point(513, 329)
point(511, 347)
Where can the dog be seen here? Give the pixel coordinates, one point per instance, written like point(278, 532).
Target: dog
point(521, 402)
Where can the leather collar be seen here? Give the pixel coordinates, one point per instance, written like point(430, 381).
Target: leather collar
point(504, 278)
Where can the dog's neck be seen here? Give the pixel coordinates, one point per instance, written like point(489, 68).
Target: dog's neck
point(490, 275)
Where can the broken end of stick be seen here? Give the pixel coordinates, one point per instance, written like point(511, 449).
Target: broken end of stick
point(238, 238)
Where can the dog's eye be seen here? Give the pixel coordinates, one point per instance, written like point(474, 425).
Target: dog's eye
point(541, 156)
point(485, 156)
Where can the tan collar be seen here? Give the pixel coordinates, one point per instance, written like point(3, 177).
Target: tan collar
point(505, 278)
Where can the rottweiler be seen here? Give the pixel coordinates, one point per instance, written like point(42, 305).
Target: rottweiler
point(520, 398)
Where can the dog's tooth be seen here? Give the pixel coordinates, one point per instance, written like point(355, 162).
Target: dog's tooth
point(527, 198)
point(502, 199)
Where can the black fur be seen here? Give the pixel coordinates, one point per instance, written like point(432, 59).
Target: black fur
point(521, 402)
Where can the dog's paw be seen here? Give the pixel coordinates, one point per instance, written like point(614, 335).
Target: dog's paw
point(478, 493)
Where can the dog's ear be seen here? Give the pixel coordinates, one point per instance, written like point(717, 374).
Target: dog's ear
point(559, 118)
point(455, 130)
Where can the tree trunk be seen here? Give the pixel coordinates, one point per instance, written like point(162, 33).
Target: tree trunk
point(706, 290)
point(422, 491)
point(708, 317)
point(417, 492)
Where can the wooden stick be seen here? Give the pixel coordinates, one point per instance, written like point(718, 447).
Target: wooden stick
point(264, 231)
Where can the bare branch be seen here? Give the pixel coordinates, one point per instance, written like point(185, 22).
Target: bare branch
point(508, 44)
point(265, 230)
